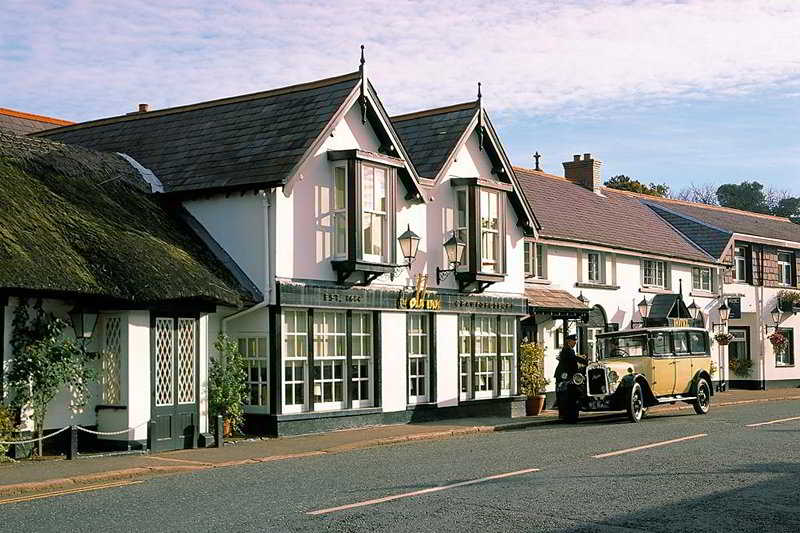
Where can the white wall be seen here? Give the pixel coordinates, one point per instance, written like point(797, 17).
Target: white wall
point(393, 361)
point(138, 380)
point(447, 391)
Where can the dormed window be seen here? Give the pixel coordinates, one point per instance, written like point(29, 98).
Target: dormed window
point(374, 213)
point(490, 232)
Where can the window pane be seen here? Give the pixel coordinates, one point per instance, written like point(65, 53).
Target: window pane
point(339, 201)
point(681, 342)
point(380, 189)
point(661, 344)
point(367, 186)
point(697, 342)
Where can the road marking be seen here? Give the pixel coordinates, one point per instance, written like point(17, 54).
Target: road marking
point(646, 446)
point(20, 499)
point(421, 492)
point(772, 422)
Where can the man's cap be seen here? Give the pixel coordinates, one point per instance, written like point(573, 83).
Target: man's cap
point(572, 337)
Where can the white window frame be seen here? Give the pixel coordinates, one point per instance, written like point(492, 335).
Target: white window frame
point(330, 353)
point(489, 211)
point(702, 279)
point(419, 354)
point(375, 213)
point(658, 269)
point(530, 259)
point(298, 339)
point(598, 270)
point(785, 269)
point(461, 227)
point(339, 213)
point(740, 256)
point(508, 355)
point(485, 332)
point(362, 356)
point(253, 348)
point(541, 261)
point(464, 355)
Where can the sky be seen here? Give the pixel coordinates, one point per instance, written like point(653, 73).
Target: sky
point(676, 92)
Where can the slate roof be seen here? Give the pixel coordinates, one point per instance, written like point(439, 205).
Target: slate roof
point(77, 222)
point(712, 240)
point(430, 136)
point(24, 123)
point(255, 139)
point(541, 298)
point(729, 220)
point(568, 211)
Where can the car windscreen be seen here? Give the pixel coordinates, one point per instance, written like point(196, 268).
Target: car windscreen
point(622, 346)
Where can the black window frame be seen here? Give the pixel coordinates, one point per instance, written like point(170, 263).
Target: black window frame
point(789, 334)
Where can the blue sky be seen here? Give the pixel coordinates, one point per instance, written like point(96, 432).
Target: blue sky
point(696, 91)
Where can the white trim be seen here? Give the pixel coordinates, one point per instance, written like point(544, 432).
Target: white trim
point(619, 251)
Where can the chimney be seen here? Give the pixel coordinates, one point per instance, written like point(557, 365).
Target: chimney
point(144, 108)
point(587, 172)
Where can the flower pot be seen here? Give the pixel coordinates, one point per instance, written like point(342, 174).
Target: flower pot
point(227, 428)
point(534, 406)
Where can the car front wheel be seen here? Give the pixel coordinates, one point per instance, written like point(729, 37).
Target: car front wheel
point(635, 403)
point(702, 402)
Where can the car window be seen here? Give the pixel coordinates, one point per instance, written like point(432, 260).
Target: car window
point(697, 342)
point(661, 345)
point(681, 340)
point(622, 346)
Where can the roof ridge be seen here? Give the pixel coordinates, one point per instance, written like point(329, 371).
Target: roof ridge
point(543, 174)
point(701, 205)
point(33, 116)
point(434, 111)
point(209, 103)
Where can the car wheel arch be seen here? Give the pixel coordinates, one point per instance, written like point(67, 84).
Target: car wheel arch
point(628, 381)
point(702, 374)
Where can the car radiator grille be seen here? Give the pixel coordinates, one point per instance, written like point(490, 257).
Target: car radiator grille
point(597, 381)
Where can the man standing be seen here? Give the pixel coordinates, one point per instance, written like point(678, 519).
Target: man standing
point(568, 361)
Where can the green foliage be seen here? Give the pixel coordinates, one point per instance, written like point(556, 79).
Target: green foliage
point(626, 183)
point(531, 370)
point(788, 207)
point(787, 298)
point(740, 367)
point(44, 363)
point(227, 381)
point(713, 368)
point(7, 429)
point(748, 196)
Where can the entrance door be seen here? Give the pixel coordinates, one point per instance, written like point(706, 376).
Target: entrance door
point(739, 348)
point(174, 383)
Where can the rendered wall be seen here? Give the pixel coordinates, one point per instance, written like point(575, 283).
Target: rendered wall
point(393, 361)
point(446, 360)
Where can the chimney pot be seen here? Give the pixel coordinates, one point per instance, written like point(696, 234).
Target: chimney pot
point(576, 157)
point(144, 108)
point(587, 157)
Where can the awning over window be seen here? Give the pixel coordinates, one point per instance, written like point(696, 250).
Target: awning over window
point(556, 303)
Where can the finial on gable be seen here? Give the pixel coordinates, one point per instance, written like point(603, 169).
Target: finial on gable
point(536, 156)
point(363, 97)
point(480, 118)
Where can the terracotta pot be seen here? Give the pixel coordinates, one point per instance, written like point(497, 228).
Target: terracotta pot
point(534, 406)
point(227, 428)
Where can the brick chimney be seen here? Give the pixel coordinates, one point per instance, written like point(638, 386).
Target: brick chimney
point(143, 108)
point(587, 172)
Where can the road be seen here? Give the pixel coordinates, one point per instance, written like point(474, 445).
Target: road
point(721, 476)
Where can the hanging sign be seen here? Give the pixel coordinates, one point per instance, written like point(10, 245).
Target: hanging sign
point(420, 299)
point(679, 322)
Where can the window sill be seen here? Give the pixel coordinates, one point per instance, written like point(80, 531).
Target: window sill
point(655, 290)
point(703, 294)
point(603, 286)
point(308, 415)
point(538, 281)
point(494, 399)
point(784, 366)
point(421, 406)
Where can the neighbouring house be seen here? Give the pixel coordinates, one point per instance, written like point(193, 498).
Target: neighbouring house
point(759, 284)
point(81, 229)
point(342, 218)
point(21, 123)
point(599, 253)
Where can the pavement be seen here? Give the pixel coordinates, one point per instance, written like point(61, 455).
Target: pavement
point(34, 476)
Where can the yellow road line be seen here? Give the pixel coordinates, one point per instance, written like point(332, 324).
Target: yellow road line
point(420, 492)
point(646, 446)
point(68, 491)
point(773, 422)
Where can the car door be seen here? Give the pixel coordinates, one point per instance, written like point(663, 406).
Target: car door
point(683, 362)
point(701, 353)
point(663, 374)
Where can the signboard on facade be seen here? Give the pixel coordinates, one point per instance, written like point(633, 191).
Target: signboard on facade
point(418, 298)
point(679, 322)
point(735, 306)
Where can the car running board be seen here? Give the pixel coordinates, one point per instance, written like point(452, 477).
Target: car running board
point(673, 399)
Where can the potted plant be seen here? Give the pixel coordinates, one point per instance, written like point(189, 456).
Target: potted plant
point(531, 377)
point(723, 338)
point(789, 301)
point(227, 383)
point(740, 367)
point(778, 341)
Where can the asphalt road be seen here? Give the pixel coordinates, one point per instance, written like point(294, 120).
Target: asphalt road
point(735, 478)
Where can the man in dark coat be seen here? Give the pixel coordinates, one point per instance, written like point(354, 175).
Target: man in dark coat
point(568, 361)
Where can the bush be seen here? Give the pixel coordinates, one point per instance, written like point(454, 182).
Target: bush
point(531, 370)
point(740, 367)
point(7, 430)
point(227, 382)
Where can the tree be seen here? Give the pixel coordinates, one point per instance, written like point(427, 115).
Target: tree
point(748, 196)
point(789, 208)
point(227, 382)
point(701, 194)
point(626, 183)
point(44, 364)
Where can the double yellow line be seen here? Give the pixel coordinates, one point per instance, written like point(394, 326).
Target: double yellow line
point(64, 492)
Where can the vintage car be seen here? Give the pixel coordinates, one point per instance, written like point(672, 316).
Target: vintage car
point(639, 368)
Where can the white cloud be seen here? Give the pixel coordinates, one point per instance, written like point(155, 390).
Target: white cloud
point(82, 59)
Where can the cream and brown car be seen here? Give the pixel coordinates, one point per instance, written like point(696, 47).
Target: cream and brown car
point(639, 368)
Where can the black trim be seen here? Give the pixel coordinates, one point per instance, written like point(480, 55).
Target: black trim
point(347, 375)
point(432, 357)
point(377, 358)
point(308, 386)
point(276, 359)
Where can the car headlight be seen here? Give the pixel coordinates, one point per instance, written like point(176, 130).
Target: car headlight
point(564, 375)
point(578, 379)
point(613, 377)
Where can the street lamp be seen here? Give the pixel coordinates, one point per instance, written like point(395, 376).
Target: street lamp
point(724, 314)
point(776, 314)
point(409, 244)
point(644, 310)
point(694, 310)
point(583, 299)
point(454, 248)
point(83, 323)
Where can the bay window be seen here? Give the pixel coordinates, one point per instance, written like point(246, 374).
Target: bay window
point(462, 224)
point(373, 213)
point(485, 356)
point(490, 232)
point(361, 360)
point(339, 203)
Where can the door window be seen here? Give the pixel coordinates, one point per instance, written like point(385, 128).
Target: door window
point(681, 340)
point(739, 346)
point(697, 342)
point(661, 344)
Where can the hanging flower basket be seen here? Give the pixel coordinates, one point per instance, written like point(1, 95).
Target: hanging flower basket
point(723, 338)
point(778, 341)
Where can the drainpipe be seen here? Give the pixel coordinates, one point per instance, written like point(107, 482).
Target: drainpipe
point(266, 291)
point(762, 331)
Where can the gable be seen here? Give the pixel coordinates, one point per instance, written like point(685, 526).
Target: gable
point(712, 240)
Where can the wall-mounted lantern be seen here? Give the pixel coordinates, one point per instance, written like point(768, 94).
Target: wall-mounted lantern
point(84, 322)
point(409, 244)
point(454, 248)
point(694, 310)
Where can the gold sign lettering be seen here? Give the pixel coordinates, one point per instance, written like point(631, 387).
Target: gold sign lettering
point(679, 322)
point(420, 300)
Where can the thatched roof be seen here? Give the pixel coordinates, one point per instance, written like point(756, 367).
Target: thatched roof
point(79, 222)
